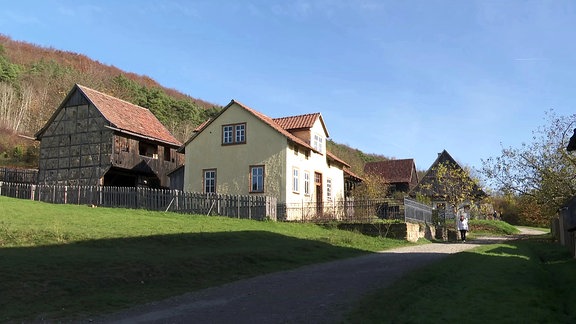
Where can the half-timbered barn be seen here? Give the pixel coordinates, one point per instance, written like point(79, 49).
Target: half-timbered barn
point(96, 139)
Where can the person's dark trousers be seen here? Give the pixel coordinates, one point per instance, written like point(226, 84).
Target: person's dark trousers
point(463, 235)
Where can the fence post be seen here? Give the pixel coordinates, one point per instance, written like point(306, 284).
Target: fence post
point(32, 191)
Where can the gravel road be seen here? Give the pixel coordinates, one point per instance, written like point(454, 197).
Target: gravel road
point(320, 293)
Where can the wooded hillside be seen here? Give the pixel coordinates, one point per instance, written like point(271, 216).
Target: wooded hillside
point(34, 80)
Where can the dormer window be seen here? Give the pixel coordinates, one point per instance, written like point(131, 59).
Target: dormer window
point(234, 134)
point(318, 143)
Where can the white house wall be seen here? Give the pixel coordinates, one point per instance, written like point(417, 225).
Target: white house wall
point(314, 163)
point(264, 146)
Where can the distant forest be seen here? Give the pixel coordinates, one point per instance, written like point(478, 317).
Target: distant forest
point(34, 81)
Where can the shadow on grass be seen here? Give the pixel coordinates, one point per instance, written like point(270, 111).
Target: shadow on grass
point(532, 277)
point(88, 277)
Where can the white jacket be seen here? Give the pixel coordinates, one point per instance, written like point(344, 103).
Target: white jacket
point(462, 224)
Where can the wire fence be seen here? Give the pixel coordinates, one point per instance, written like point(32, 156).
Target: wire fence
point(356, 211)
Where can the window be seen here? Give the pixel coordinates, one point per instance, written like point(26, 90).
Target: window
point(257, 178)
point(148, 149)
point(329, 189)
point(295, 180)
point(227, 134)
point(234, 134)
point(318, 143)
point(166, 153)
point(306, 182)
point(240, 133)
point(210, 181)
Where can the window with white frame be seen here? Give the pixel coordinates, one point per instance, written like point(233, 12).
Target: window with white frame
point(257, 178)
point(306, 182)
point(318, 143)
point(210, 181)
point(329, 189)
point(295, 180)
point(240, 131)
point(234, 134)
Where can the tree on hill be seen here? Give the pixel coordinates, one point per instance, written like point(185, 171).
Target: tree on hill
point(542, 173)
point(36, 80)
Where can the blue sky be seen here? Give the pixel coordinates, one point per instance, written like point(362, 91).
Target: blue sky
point(404, 79)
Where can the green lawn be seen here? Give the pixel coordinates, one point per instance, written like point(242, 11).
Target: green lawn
point(523, 281)
point(66, 261)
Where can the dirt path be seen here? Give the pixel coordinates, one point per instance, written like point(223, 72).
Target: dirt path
point(321, 293)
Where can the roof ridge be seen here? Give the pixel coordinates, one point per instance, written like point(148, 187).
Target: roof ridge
point(110, 96)
point(301, 115)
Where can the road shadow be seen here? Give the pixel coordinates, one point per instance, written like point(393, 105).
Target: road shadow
point(93, 276)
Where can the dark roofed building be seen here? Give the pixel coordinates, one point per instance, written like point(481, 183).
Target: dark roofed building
point(400, 174)
point(96, 139)
point(427, 185)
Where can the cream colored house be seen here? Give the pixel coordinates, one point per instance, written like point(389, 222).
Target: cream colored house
point(242, 151)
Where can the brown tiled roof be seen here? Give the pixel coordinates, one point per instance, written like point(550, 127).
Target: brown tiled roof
point(394, 171)
point(273, 124)
point(337, 159)
point(282, 125)
point(292, 123)
point(127, 117)
point(352, 175)
point(297, 122)
point(199, 127)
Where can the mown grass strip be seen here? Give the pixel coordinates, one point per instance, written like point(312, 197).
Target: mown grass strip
point(522, 281)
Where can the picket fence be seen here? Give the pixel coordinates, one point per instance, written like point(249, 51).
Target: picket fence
point(237, 206)
point(18, 175)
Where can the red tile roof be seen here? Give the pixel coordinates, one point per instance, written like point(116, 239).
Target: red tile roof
point(128, 117)
point(394, 171)
point(273, 124)
point(293, 123)
point(337, 159)
point(297, 122)
point(282, 125)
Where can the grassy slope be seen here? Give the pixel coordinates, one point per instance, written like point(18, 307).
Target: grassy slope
point(65, 260)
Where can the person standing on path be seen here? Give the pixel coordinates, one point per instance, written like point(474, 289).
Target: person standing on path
point(463, 226)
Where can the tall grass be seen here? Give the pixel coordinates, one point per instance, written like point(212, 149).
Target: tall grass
point(63, 261)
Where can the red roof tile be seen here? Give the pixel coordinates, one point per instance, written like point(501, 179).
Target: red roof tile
point(273, 124)
point(282, 125)
point(297, 122)
point(129, 117)
point(394, 171)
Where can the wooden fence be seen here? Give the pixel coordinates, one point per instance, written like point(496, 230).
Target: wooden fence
point(18, 175)
point(237, 206)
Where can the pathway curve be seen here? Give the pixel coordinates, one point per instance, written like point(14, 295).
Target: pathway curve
point(320, 293)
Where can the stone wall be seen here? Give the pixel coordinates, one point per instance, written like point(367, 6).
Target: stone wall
point(411, 232)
